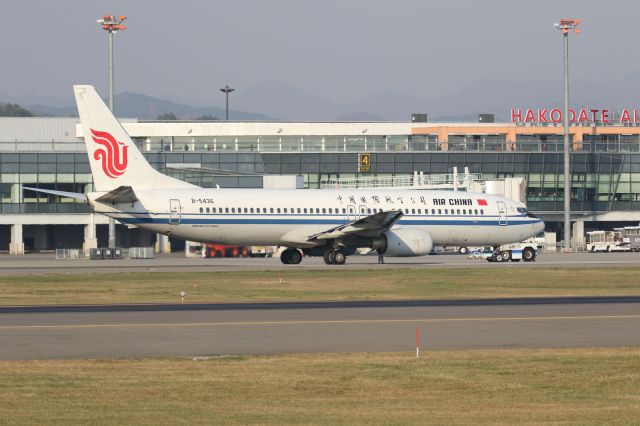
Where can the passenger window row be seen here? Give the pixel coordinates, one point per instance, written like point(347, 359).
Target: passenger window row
point(330, 210)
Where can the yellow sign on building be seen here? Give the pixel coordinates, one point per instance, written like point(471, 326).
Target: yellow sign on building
point(364, 163)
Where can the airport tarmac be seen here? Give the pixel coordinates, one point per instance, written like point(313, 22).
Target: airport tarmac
point(266, 328)
point(46, 263)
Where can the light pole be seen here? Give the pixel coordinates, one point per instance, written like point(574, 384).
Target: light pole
point(226, 90)
point(112, 24)
point(565, 26)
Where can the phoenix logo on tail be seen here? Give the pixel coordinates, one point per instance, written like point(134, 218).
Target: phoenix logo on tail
point(113, 158)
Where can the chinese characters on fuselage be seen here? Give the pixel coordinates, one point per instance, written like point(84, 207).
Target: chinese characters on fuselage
point(376, 199)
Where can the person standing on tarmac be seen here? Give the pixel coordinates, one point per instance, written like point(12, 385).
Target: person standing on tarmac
point(380, 257)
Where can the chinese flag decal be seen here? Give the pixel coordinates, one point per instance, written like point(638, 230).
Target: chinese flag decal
point(482, 202)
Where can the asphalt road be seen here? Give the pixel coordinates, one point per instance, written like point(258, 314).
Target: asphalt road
point(211, 330)
point(46, 263)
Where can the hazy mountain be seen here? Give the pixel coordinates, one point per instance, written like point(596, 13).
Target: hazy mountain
point(285, 101)
point(46, 110)
point(147, 107)
point(143, 107)
point(277, 100)
point(360, 116)
point(391, 105)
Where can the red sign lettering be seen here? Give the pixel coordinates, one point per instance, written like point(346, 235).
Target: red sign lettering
point(624, 117)
point(542, 116)
point(516, 117)
point(583, 116)
point(530, 117)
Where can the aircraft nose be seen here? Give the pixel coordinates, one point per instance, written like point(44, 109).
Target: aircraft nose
point(539, 227)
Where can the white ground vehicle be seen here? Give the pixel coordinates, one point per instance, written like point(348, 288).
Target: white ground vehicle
point(607, 241)
point(630, 236)
point(262, 251)
point(508, 252)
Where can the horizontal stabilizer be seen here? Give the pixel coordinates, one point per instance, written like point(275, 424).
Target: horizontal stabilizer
point(122, 194)
point(76, 195)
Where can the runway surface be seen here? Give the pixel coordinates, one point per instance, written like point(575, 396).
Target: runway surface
point(46, 263)
point(267, 328)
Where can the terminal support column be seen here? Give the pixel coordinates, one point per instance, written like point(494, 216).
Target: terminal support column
point(17, 244)
point(577, 234)
point(90, 240)
point(162, 244)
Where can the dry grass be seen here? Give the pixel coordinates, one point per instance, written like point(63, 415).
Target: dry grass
point(149, 287)
point(580, 386)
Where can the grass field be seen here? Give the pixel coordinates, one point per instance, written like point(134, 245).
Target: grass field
point(149, 287)
point(584, 386)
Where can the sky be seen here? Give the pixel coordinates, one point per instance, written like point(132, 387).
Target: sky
point(339, 49)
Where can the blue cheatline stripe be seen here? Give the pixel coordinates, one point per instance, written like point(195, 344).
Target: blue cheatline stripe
point(298, 215)
point(296, 221)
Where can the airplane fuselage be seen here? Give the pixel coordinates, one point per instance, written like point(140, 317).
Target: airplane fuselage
point(287, 217)
point(328, 223)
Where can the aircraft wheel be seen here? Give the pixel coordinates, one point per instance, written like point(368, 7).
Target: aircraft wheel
point(284, 256)
point(528, 255)
point(327, 256)
point(291, 256)
point(339, 258)
point(463, 250)
point(506, 256)
point(295, 257)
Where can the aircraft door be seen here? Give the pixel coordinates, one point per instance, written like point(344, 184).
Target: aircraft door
point(175, 212)
point(502, 213)
point(352, 213)
point(362, 211)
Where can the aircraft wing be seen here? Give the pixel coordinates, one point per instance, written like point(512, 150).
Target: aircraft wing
point(76, 195)
point(371, 225)
point(122, 194)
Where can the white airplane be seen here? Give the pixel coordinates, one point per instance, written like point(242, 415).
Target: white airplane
point(328, 223)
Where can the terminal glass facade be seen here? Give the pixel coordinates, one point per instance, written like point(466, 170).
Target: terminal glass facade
point(601, 181)
point(605, 168)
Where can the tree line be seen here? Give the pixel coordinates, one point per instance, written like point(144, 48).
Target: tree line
point(169, 116)
point(14, 110)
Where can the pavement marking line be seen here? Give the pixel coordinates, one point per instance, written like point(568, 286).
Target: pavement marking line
point(314, 322)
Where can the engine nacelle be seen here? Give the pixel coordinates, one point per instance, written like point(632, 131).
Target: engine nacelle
point(407, 243)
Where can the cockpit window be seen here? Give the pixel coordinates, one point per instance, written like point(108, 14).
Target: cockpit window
point(523, 210)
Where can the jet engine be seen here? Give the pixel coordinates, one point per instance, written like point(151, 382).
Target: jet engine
point(403, 243)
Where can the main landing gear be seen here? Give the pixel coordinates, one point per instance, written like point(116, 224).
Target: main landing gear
point(334, 257)
point(291, 256)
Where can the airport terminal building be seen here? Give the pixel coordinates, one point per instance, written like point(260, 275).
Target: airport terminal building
point(50, 153)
